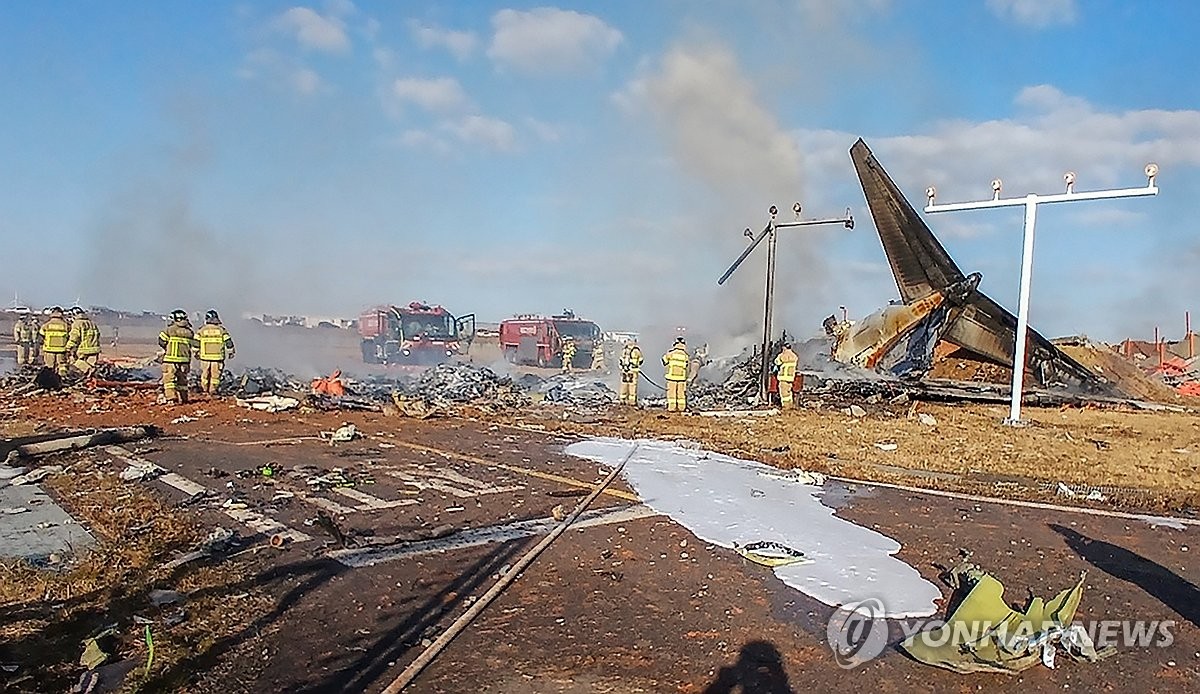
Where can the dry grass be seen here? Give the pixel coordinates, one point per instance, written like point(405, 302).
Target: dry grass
point(48, 613)
point(1157, 452)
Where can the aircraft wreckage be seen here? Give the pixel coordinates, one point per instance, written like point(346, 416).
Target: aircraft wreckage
point(890, 353)
point(938, 303)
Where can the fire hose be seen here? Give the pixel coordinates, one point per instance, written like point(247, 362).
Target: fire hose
point(643, 373)
point(416, 666)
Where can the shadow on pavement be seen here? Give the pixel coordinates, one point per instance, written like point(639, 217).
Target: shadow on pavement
point(1173, 591)
point(758, 670)
point(393, 644)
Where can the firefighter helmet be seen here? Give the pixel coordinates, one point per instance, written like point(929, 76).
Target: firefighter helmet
point(212, 317)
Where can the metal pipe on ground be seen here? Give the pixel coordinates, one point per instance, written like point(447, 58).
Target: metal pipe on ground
point(14, 449)
point(429, 654)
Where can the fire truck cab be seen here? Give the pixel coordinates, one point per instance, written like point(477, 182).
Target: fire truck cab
point(537, 340)
point(416, 334)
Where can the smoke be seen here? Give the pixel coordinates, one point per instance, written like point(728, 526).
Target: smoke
point(734, 160)
point(153, 252)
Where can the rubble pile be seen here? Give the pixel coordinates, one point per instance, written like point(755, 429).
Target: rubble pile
point(261, 381)
point(119, 373)
point(577, 391)
point(461, 383)
point(1121, 372)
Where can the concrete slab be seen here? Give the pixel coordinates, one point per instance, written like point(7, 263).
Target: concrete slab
point(41, 530)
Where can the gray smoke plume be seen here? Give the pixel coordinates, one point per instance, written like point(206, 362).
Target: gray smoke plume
point(739, 160)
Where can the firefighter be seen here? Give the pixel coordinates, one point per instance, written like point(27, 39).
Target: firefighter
point(785, 374)
point(698, 361)
point(568, 354)
point(54, 334)
point(215, 346)
point(631, 367)
point(598, 357)
point(83, 342)
point(676, 363)
point(176, 341)
point(23, 331)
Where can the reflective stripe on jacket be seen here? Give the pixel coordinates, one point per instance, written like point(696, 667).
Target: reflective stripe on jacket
point(84, 337)
point(676, 362)
point(214, 341)
point(177, 341)
point(786, 367)
point(54, 336)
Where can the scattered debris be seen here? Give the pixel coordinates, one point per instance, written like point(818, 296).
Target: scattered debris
point(1086, 494)
point(140, 470)
point(159, 597)
point(927, 419)
point(34, 446)
point(98, 649)
point(342, 434)
point(984, 634)
point(771, 554)
point(269, 403)
point(36, 475)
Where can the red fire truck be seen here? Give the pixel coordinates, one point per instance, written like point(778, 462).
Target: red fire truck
point(416, 334)
point(537, 340)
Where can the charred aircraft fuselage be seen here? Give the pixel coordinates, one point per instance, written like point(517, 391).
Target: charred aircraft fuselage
point(939, 303)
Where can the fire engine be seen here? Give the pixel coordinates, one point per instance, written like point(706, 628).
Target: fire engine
point(537, 340)
point(416, 334)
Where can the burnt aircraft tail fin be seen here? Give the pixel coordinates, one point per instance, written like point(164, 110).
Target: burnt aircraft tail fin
point(918, 261)
point(921, 267)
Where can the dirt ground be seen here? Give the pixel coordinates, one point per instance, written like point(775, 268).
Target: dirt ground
point(396, 534)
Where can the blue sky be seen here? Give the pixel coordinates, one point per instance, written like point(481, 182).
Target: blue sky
point(503, 158)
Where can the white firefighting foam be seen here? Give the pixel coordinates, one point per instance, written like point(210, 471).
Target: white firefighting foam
point(727, 501)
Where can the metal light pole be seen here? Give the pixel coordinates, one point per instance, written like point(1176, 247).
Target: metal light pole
point(1031, 202)
point(770, 232)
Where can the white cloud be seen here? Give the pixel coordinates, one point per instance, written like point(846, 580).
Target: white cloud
point(1034, 13)
point(1050, 133)
point(439, 95)
point(417, 139)
point(385, 58)
point(281, 71)
point(546, 132)
point(305, 81)
point(547, 40)
point(460, 44)
point(484, 131)
point(326, 33)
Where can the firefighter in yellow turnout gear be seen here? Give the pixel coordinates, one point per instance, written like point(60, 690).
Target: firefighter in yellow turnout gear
point(24, 330)
point(568, 354)
point(215, 346)
point(83, 342)
point(676, 363)
point(631, 368)
point(785, 373)
point(54, 334)
point(176, 341)
point(598, 362)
